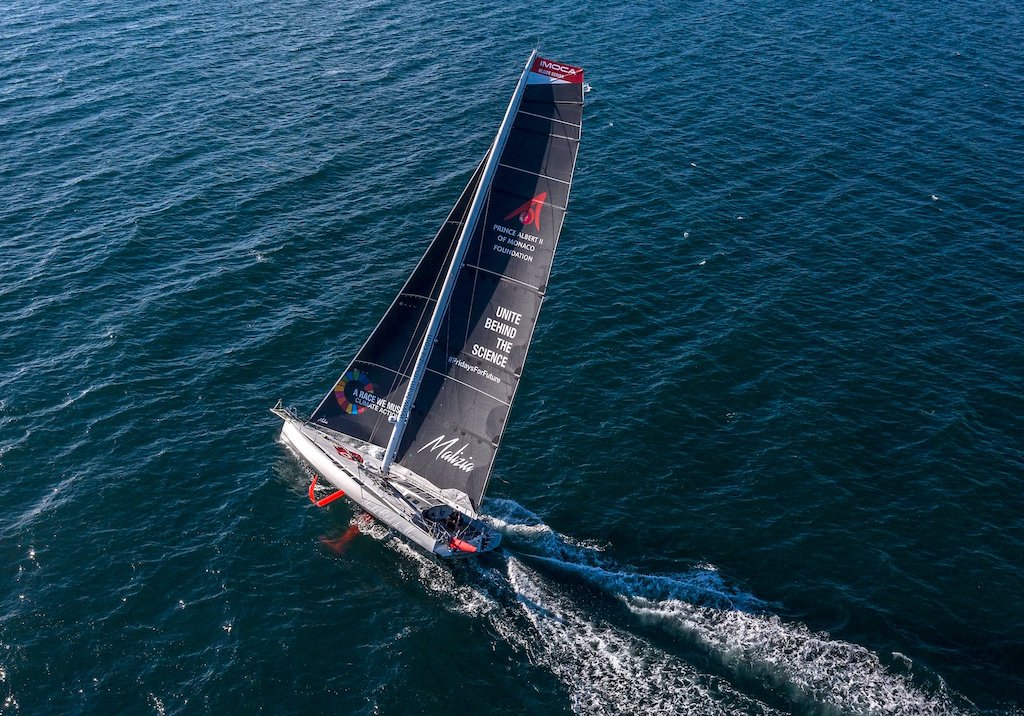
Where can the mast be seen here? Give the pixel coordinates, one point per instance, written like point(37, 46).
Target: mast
point(453, 270)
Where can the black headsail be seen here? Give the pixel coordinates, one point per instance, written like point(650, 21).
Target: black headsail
point(364, 402)
point(461, 408)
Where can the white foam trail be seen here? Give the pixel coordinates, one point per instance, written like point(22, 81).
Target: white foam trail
point(610, 671)
point(521, 528)
point(809, 667)
point(478, 599)
point(701, 585)
point(368, 525)
point(607, 669)
point(844, 677)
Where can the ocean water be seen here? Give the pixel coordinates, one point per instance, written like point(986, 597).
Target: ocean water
point(767, 454)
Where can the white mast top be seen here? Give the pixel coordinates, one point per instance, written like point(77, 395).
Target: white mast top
point(453, 270)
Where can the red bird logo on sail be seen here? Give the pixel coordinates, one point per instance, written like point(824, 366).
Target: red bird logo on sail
point(529, 213)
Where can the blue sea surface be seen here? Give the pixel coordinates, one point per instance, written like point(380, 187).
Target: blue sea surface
point(768, 451)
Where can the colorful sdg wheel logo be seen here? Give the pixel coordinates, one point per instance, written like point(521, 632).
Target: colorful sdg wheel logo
point(345, 391)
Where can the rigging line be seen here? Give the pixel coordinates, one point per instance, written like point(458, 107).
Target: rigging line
point(471, 387)
point(401, 369)
point(559, 102)
point(416, 295)
point(473, 294)
point(536, 174)
point(550, 119)
point(434, 291)
point(418, 329)
point(451, 225)
point(503, 277)
point(400, 374)
point(408, 355)
point(448, 322)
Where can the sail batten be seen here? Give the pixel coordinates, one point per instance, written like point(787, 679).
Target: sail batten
point(536, 174)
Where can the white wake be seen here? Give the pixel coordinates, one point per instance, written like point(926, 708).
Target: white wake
point(608, 668)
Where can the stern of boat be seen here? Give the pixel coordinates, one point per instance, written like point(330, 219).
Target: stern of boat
point(459, 534)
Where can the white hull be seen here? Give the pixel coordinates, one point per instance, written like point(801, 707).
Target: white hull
point(403, 501)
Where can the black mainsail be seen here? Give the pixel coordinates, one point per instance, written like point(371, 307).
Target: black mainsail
point(488, 310)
